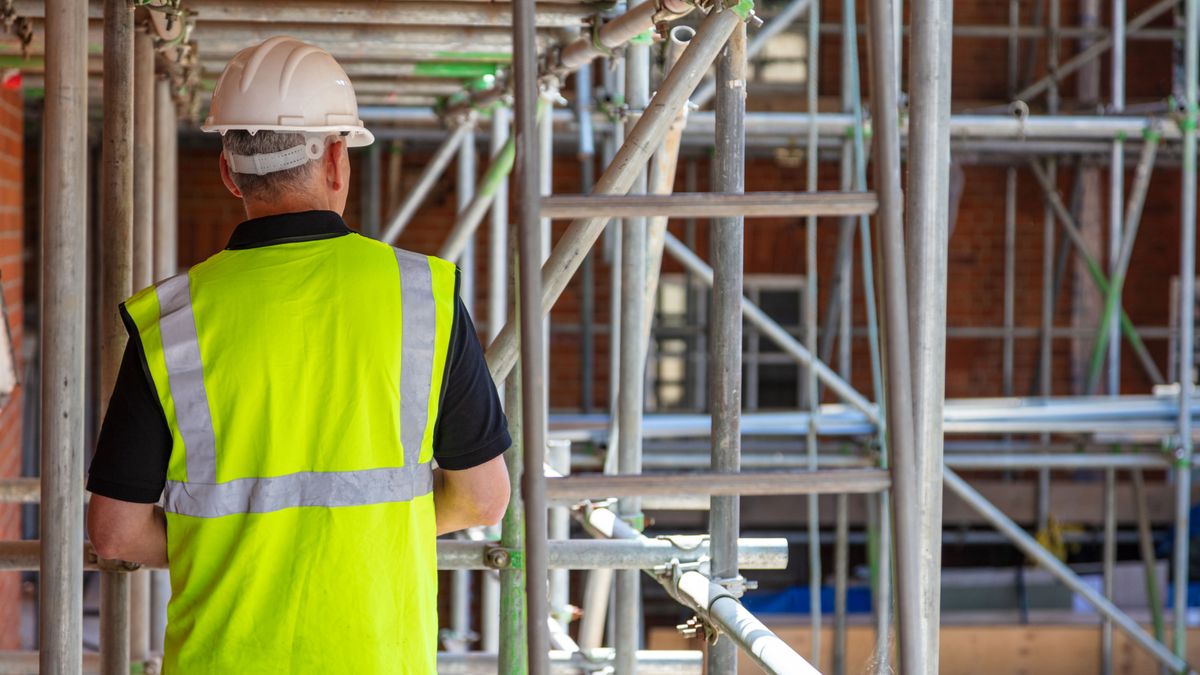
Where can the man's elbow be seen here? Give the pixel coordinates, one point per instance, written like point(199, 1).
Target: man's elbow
point(110, 543)
point(492, 509)
point(114, 535)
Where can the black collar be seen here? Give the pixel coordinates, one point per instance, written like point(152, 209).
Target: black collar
point(285, 228)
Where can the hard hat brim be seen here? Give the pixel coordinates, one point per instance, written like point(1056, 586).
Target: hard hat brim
point(358, 137)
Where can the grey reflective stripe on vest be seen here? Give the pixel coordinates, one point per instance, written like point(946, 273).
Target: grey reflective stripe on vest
point(185, 373)
point(201, 496)
point(263, 495)
point(417, 344)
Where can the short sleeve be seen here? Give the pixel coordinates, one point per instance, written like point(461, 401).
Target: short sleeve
point(471, 427)
point(130, 463)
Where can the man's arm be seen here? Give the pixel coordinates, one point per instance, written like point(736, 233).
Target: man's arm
point(128, 531)
point(470, 487)
point(474, 497)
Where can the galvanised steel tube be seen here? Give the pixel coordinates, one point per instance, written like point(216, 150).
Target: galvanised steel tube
point(1109, 557)
point(533, 354)
point(464, 187)
point(1030, 547)
point(619, 176)
point(725, 322)
point(724, 483)
point(885, 75)
point(166, 188)
point(771, 329)
point(662, 182)
point(166, 238)
point(627, 607)
point(513, 621)
point(116, 283)
point(498, 234)
point(132, 623)
point(778, 23)
point(562, 662)
point(1187, 311)
point(143, 150)
point(719, 607)
point(429, 176)
point(64, 320)
point(462, 554)
point(638, 19)
point(1133, 219)
point(1116, 199)
point(811, 179)
point(928, 231)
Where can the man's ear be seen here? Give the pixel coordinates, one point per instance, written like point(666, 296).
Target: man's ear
point(227, 178)
point(337, 168)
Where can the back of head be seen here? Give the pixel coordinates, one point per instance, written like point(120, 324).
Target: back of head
point(277, 105)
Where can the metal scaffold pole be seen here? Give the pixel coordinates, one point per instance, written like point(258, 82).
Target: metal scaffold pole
point(812, 393)
point(138, 627)
point(64, 312)
point(166, 237)
point(512, 618)
point(725, 326)
point(928, 228)
point(630, 396)
point(533, 383)
point(1187, 311)
point(885, 108)
point(116, 281)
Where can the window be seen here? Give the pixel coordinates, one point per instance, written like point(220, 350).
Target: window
point(677, 371)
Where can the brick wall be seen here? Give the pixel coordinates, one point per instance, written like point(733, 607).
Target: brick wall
point(11, 278)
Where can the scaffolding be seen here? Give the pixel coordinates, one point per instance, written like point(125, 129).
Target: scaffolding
point(154, 63)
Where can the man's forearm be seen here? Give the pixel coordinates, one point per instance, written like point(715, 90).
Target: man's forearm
point(448, 507)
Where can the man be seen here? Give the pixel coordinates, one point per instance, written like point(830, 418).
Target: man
point(290, 393)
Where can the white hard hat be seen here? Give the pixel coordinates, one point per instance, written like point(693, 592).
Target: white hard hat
point(286, 85)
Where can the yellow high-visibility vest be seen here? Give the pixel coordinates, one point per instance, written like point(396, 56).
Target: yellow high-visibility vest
point(301, 384)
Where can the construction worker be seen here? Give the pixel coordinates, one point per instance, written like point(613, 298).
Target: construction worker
point(286, 399)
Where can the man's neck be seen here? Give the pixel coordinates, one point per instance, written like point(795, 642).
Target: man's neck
point(257, 209)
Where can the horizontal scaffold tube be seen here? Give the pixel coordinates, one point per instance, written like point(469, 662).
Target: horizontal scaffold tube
point(712, 204)
point(838, 125)
point(581, 554)
point(657, 662)
point(836, 481)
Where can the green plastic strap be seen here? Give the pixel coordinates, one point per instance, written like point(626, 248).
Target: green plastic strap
point(1151, 134)
point(646, 38)
point(516, 559)
point(743, 8)
point(137, 668)
point(636, 521)
point(1121, 136)
point(1188, 123)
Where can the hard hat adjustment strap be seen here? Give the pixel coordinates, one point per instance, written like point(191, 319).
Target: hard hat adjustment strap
point(270, 162)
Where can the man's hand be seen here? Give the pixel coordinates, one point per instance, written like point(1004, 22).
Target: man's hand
point(128, 531)
point(473, 497)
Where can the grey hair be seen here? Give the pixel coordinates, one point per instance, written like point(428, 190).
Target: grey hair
point(270, 186)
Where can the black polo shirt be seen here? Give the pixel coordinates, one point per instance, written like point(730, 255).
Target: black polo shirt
point(131, 457)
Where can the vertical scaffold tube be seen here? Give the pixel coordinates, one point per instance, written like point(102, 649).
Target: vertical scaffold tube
point(116, 283)
point(64, 320)
point(630, 399)
point(1187, 310)
point(725, 369)
point(928, 229)
point(533, 383)
point(884, 99)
